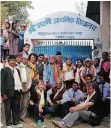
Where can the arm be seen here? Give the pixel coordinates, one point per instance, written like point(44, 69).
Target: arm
point(48, 95)
point(31, 102)
point(30, 81)
point(3, 76)
point(64, 98)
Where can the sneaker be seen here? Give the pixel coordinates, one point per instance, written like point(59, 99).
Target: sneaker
point(58, 124)
point(9, 127)
point(18, 126)
point(40, 124)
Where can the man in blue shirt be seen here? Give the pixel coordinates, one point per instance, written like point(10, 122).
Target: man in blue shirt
point(105, 93)
point(74, 96)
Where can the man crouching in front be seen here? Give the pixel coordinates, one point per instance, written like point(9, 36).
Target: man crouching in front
point(89, 108)
point(10, 89)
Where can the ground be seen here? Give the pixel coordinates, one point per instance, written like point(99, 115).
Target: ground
point(30, 123)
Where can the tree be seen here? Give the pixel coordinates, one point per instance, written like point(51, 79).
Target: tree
point(14, 9)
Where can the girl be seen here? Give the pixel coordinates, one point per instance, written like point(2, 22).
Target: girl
point(37, 104)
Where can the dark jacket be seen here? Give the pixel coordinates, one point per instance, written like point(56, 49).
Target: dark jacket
point(7, 82)
point(40, 70)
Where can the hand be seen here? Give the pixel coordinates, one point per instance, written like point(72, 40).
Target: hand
point(58, 102)
point(40, 110)
point(72, 109)
point(51, 104)
point(73, 100)
point(5, 97)
point(104, 98)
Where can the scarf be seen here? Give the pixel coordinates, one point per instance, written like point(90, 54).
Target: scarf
point(33, 71)
point(106, 66)
point(89, 97)
point(56, 73)
point(66, 67)
point(23, 73)
point(77, 76)
point(58, 91)
point(17, 81)
point(42, 99)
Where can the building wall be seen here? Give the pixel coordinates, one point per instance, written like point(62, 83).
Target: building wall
point(105, 24)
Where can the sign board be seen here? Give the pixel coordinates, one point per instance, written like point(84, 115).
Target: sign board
point(64, 25)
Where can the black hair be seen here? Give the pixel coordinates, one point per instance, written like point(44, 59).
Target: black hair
point(75, 82)
point(89, 75)
point(13, 23)
point(26, 44)
point(106, 53)
point(8, 24)
point(101, 75)
point(41, 55)
point(32, 54)
point(11, 57)
point(80, 60)
point(97, 60)
point(58, 53)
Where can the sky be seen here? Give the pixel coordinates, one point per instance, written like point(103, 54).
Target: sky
point(46, 7)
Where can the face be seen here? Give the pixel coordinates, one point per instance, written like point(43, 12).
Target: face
point(104, 56)
point(58, 58)
point(96, 63)
point(6, 25)
point(33, 59)
point(18, 59)
point(52, 60)
point(24, 61)
point(75, 87)
point(88, 79)
point(12, 62)
point(89, 89)
point(45, 59)
point(59, 84)
point(41, 85)
point(79, 64)
point(22, 28)
point(40, 59)
point(88, 63)
point(102, 80)
point(26, 48)
point(68, 61)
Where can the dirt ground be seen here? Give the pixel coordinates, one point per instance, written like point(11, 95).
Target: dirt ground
point(30, 123)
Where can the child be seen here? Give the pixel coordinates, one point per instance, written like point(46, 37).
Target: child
point(37, 104)
point(1, 44)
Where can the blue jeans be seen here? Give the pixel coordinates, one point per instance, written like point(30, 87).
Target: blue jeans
point(21, 44)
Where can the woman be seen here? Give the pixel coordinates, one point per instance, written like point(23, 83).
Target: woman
point(68, 66)
point(13, 40)
point(6, 36)
point(37, 103)
point(34, 71)
point(78, 72)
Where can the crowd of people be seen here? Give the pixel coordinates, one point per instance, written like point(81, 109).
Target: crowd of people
point(42, 84)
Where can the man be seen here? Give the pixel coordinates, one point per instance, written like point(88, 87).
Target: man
point(26, 84)
point(97, 67)
point(105, 93)
point(40, 66)
point(18, 59)
point(74, 96)
point(45, 66)
point(52, 72)
point(26, 49)
point(91, 108)
point(105, 66)
point(55, 97)
point(88, 69)
point(10, 90)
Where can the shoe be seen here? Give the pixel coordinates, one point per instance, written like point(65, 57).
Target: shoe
point(22, 120)
point(17, 126)
point(58, 124)
point(40, 124)
point(9, 127)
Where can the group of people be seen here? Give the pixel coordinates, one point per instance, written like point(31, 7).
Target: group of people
point(41, 84)
point(11, 39)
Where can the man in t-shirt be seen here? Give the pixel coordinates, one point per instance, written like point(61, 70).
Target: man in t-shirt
point(92, 106)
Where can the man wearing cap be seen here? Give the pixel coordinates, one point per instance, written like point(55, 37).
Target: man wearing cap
point(52, 72)
point(88, 110)
point(18, 59)
point(88, 69)
point(68, 66)
point(26, 84)
point(40, 65)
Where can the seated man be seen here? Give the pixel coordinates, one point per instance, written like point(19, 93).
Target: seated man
point(56, 97)
point(105, 93)
point(90, 108)
point(75, 96)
